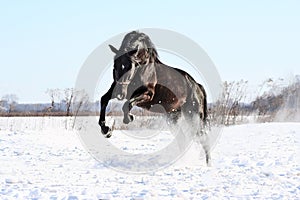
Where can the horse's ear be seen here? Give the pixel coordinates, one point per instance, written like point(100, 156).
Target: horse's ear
point(113, 49)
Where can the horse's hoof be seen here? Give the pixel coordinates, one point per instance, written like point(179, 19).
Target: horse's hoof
point(105, 130)
point(108, 135)
point(131, 117)
point(209, 165)
point(128, 119)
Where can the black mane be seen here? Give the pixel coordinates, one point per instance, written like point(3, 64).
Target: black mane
point(133, 40)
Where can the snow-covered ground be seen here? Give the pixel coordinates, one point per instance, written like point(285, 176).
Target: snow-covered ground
point(42, 158)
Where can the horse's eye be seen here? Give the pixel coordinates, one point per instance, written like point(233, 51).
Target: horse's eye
point(123, 67)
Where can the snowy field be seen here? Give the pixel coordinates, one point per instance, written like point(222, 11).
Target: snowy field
point(43, 158)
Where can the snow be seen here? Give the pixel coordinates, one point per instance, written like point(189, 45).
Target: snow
point(43, 158)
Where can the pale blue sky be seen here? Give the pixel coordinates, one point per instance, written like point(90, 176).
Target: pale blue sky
point(43, 45)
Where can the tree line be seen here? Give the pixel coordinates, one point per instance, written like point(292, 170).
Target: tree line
point(272, 100)
point(63, 102)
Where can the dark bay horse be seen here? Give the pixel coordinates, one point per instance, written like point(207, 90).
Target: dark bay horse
point(144, 81)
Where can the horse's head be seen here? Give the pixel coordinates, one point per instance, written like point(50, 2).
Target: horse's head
point(122, 72)
point(136, 50)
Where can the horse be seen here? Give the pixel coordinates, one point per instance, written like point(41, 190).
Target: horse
point(144, 81)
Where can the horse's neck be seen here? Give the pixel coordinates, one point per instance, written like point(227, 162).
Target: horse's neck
point(161, 68)
point(148, 73)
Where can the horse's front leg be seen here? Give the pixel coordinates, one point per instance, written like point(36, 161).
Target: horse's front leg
point(104, 102)
point(128, 117)
point(142, 98)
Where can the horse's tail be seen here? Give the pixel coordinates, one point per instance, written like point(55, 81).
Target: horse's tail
point(205, 111)
point(199, 93)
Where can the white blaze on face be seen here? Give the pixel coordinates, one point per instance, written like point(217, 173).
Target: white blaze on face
point(125, 81)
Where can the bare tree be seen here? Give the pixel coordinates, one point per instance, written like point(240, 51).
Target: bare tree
point(81, 101)
point(270, 98)
point(54, 95)
point(11, 101)
point(227, 108)
point(290, 104)
point(69, 94)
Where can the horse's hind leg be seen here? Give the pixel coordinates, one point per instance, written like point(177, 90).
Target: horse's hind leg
point(206, 147)
point(173, 117)
point(205, 143)
point(207, 156)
